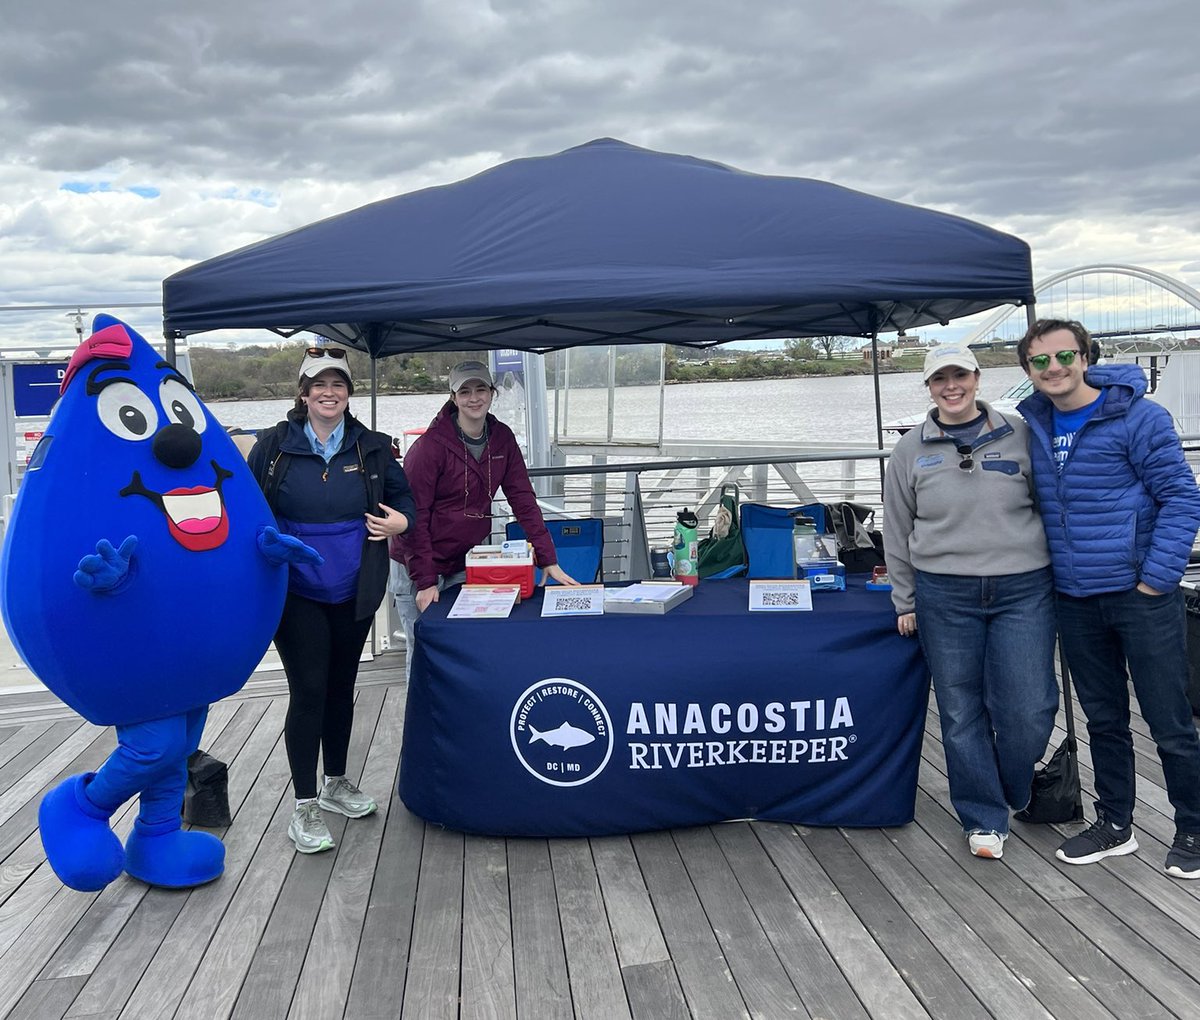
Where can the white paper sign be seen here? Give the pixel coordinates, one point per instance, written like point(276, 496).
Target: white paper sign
point(780, 596)
point(484, 602)
point(584, 600)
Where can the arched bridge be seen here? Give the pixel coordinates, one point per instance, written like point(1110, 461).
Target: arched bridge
point(1112, 300)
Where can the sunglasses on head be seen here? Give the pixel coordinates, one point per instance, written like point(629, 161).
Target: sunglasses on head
point(1041, 362)
point(325, 352)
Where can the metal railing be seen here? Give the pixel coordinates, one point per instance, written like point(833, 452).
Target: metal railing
point(638, 500)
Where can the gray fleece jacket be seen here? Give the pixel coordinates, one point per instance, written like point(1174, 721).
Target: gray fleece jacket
point(942, 519)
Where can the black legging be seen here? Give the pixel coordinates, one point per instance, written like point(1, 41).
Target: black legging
point(320, 645)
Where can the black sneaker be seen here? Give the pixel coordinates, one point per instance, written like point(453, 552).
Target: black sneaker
point(1099, 840)
point(1183, 859)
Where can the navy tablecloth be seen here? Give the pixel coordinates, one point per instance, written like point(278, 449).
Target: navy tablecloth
point(594, 725)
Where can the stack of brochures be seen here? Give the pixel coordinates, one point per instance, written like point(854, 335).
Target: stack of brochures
point(652, 597)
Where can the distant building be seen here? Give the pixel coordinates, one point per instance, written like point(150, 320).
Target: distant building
point(909, 344)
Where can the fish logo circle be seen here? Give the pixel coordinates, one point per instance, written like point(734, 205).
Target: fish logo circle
point(561, 732)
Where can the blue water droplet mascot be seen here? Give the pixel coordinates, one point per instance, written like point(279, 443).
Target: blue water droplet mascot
point(143, 579)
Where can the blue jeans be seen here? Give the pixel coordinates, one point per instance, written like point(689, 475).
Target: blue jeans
point(989, 643)
point(1110, 639)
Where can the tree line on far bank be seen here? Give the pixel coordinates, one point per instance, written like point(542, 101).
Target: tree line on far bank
point(269, 372)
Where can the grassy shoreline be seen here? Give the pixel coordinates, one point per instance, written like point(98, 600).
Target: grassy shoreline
point(269, 373)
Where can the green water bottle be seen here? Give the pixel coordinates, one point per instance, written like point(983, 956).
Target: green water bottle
point(686, 547)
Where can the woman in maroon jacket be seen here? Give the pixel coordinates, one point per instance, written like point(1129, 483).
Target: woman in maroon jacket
point(454, 470)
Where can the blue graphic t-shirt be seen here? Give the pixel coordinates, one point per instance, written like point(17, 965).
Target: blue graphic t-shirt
point(1066, 427)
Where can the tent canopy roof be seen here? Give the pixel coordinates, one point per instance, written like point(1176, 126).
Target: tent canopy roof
point(606, 243)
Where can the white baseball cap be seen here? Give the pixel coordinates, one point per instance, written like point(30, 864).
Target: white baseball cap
point(947, 355)
point(319, 358)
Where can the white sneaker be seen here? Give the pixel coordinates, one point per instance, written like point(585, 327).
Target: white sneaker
point(345, 798)
point(987, 844)
point(308, 829)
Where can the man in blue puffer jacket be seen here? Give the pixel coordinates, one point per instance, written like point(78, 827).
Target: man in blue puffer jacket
point(1121, 509)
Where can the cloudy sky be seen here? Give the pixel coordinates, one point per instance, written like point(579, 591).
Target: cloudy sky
point(140, 138)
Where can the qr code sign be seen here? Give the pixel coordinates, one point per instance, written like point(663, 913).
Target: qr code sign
point(774, 599)
point(573, 604)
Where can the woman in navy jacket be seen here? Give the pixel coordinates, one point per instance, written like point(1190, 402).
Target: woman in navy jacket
point(333, 483)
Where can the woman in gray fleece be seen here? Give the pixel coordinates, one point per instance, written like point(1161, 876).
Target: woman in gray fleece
point(970, 576)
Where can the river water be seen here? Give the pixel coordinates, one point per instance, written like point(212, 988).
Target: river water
point(829, 410)
point(822, 410)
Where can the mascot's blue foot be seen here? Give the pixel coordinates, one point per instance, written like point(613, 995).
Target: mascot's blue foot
point(175, 859)
point(81, 848)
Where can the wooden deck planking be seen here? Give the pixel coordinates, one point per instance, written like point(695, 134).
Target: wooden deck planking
point(268, 988)
point(432, 983)
point(47, 999)
point(241, 933)
point(595, 973)
point(1154, 827)
point(742, 919)
point(982, 965)
point(631, 918)
point(941, 991)
point(1069, 974)
point(647, 973)
point(654, 992)
point(380, 971)
point(6, 733)
point(488, 979)
point(806, 960)
point(328, 969)
point(756, 970)
point(539, 959)
point(87, 943)
point(49, 917)
point(1107, 908)
point(879, 986)
point(20, 846)
point(174, 962)
point(14, 739)
point(38, 775)
point(704, 973)
point(33, 754)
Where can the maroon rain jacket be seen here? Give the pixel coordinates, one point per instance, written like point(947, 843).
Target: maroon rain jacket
point(449, 485)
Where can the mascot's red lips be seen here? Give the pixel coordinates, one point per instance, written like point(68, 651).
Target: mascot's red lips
point(195, 514)
point(196, 517)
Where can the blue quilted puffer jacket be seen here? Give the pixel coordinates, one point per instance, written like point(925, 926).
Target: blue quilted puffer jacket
point(1125, 507)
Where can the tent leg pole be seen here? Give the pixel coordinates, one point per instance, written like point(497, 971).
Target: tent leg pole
point(374, 394)
point(878, 407)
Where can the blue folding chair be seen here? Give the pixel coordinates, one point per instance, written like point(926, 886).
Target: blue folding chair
point(767, 532)
point(579, 542)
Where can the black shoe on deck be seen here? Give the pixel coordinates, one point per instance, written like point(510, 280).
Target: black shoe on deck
point(1183, 859)
point(1097, 841)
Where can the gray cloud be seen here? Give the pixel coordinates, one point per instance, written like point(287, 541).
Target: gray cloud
point(1029, 114)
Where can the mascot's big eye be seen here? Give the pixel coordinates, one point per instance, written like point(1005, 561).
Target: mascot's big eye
point(181, 405)
point(127, 412)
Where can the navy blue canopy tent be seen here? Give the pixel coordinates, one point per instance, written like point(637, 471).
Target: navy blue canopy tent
point(606, 243)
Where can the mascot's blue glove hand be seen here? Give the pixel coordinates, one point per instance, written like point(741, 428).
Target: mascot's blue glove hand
point(280, 549)
point(107, 568)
